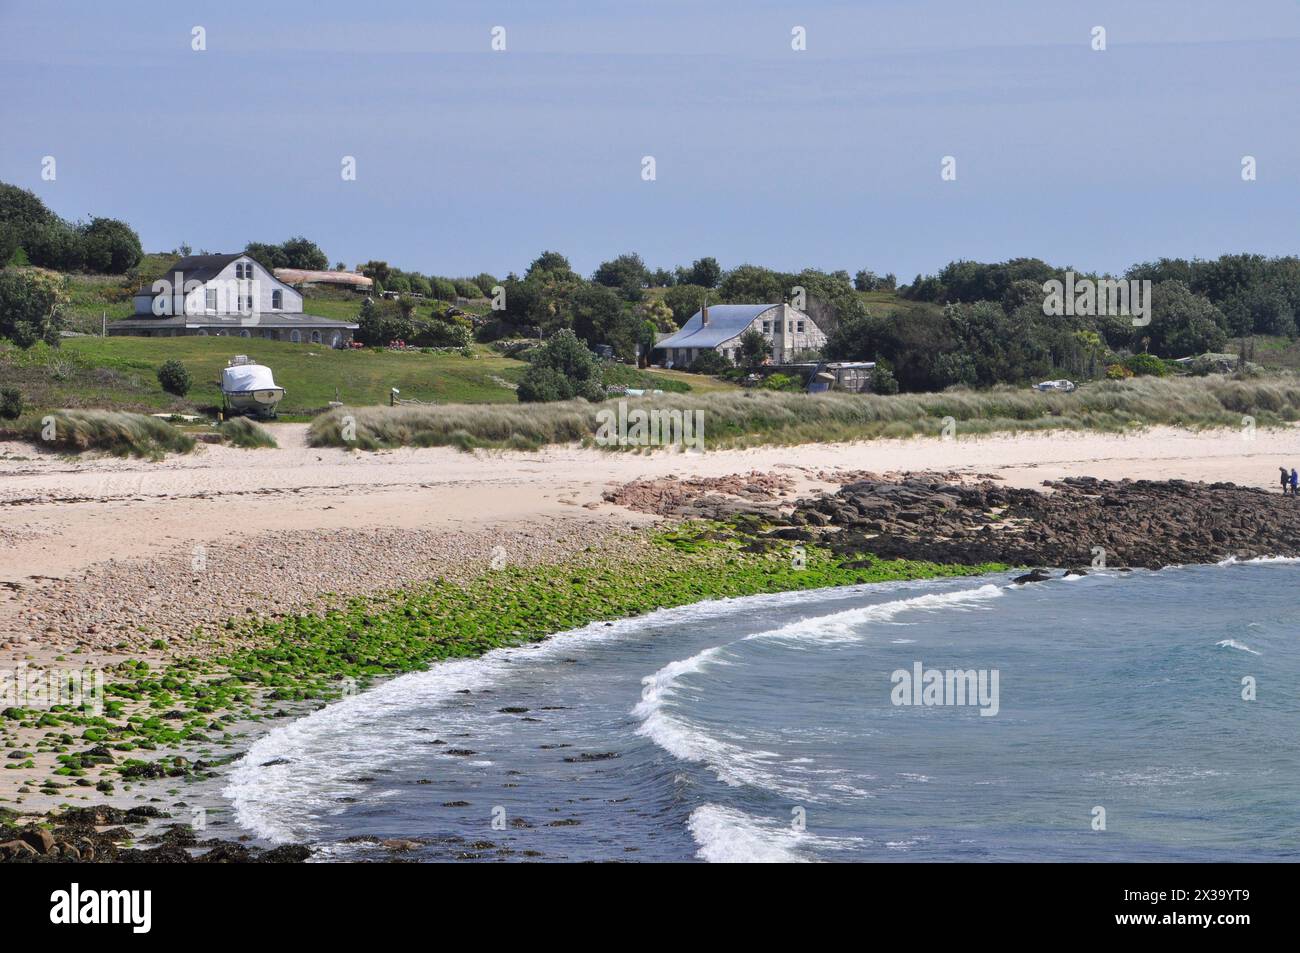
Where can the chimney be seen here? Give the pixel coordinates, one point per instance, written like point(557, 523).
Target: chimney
point(704, 313)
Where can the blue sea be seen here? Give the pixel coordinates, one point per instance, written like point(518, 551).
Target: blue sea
point(1138, 716)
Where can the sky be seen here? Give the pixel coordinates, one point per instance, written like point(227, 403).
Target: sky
point(470, 159)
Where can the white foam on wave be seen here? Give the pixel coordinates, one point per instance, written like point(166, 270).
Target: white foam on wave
point(728, 836)
point(847, 625)
point(1234, 644)
point(280, 802)
point(733, 764)
point(1260, 560)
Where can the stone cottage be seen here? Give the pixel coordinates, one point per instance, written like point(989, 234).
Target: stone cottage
point(719, 328)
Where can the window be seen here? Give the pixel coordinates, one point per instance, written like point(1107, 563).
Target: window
point(277, 299)
point(315, 337)
point(767, 327)
point(210, 299)
point(798, 326)
point(295, 336)
point(336, 339)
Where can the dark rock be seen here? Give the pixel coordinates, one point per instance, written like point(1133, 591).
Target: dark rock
point(41, 841)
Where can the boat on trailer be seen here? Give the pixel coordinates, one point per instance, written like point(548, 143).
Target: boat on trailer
point(249, 388)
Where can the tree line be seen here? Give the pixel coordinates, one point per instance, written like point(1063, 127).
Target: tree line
point(30, 234)
point(979, 324)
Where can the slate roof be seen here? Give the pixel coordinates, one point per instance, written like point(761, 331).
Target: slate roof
point(194, 268)
point(726, 321)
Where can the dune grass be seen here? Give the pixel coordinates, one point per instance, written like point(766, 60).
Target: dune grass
point(242, 432)
point(756, 418)
point(115, 432)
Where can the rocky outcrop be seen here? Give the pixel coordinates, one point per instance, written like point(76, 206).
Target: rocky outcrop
point(724, 496)
point(75, 836)
point(1079, 522)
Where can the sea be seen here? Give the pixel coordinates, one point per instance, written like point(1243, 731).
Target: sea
point(1114, 716)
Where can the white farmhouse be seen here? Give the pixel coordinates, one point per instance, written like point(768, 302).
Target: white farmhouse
point(227, 295)
point(719, 328)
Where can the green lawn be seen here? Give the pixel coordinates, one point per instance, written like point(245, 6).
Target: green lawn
point(337, 307)
point(119, 372)
point(698, 383)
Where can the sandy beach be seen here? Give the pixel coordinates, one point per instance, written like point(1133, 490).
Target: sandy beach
point(103, 556)
point(83, 539)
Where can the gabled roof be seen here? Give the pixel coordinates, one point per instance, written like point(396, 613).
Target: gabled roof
point(203, 268)
point(194, 268)
point(725, 322)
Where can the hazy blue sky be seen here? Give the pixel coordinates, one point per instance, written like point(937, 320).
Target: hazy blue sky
point(472, 160)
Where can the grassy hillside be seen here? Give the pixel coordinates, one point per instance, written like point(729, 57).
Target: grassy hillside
point(119, 372)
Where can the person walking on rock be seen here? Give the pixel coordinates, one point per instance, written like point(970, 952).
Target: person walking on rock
point(1286, 479)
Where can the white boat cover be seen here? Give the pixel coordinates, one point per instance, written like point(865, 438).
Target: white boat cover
point(246, 377)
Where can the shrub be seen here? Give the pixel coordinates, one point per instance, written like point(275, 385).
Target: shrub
point(440, 333)
point(11, 403)
point(1118, 372)
point(710, 362)
point(754, 349)
point(384, 321)
point(1146, 365)
point(781, 382)
point(883, 380)
point(542, 385)
point(110, 246)
point(561, 369)
point(31, 306)
point(174, 378)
